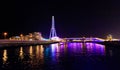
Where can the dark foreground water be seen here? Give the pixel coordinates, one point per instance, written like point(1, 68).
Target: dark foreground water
point(71, 56)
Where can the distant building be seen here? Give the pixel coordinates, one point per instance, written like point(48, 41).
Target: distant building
point(15, 38)
point(37, 36)
point(109, 38)
point(30, 36)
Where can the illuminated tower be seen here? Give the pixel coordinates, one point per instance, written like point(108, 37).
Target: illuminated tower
point(53, 31)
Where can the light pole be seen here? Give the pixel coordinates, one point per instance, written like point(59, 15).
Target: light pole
point(5, 34)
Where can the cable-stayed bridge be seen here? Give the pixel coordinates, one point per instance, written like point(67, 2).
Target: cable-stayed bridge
point(53, 38)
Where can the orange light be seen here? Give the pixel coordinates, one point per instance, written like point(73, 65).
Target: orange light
point(21, 35)
point(5, 33)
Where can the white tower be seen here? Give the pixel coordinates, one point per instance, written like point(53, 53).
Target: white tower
point(53, 31)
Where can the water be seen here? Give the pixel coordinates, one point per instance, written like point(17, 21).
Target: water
point(71, 56)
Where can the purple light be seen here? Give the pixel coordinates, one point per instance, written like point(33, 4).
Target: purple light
point(90, 48)
point(77, 48)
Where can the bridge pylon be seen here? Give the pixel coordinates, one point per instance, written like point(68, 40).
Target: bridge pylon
point(53, 31)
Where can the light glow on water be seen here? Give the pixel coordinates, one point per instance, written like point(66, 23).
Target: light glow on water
point(88, 48)
point(31, 51)
point(52, 55)
point(41, 52)
point(55, 51)
point(21, 53)
point(5, 57)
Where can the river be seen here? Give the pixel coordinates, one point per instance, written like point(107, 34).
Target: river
point(69, 56)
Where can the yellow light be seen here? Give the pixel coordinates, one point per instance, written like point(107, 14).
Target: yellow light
point(37, 51)
point(41, 51)
point(77, 40)
point(5, 34)
point(21, 53)
point(31, 49)
point(21, 35)
point(5, 56)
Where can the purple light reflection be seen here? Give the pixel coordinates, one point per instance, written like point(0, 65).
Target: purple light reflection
point(77, 49)
point(54, 48)
point(96, 49)
point(88, 48)
point(55, 51)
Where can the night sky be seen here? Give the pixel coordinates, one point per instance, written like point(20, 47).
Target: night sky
point(96, 18)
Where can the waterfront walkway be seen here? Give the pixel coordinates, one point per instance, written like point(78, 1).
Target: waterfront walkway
point(24, 42)
point(6, 42)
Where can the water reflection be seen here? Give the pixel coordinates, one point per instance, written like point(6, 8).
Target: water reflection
point(31, 51)
point(5, 56)
point(50, 56)
point(21, 53)
point(95, 48)
point(39, 53)
point(86, 48)
point(64, 47)
point(55, 49)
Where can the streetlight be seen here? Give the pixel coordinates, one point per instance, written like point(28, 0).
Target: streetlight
point(5, 34)
point(21, 36)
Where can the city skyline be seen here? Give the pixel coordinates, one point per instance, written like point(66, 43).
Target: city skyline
point(72, 19)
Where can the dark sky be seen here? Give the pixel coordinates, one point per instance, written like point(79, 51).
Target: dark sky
point(96, 18)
